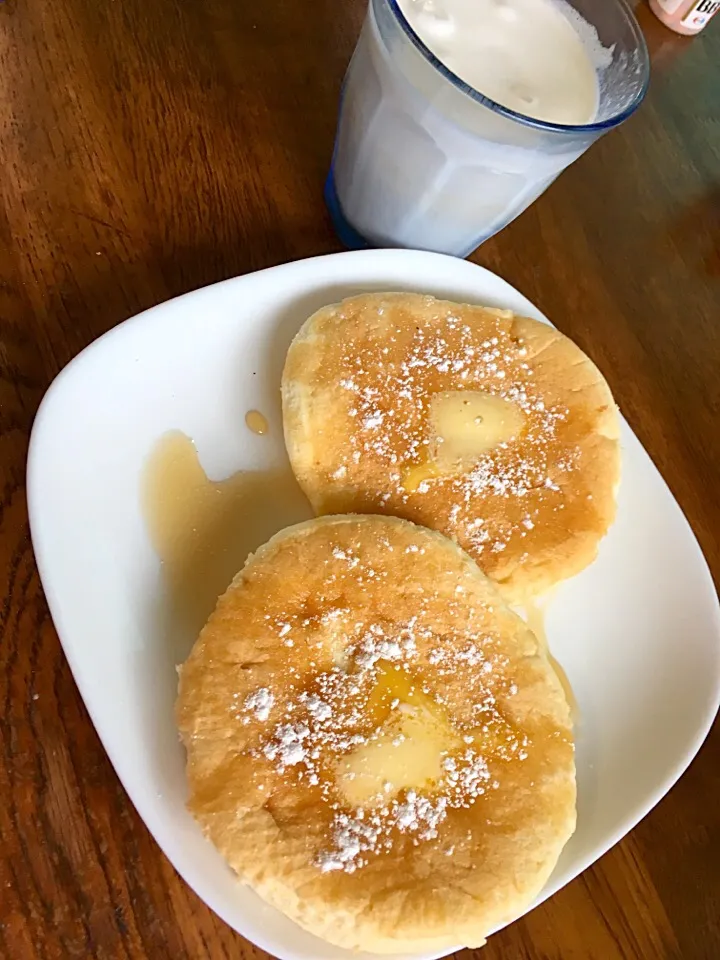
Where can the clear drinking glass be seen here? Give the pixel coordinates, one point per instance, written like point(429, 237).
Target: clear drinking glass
point(423, 160)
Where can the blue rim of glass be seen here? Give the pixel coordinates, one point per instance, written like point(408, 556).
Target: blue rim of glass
point(545, 125)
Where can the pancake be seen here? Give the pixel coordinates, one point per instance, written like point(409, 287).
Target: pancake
point(494, 429)
point(376, 743)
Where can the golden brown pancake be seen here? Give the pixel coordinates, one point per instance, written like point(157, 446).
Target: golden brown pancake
point(494, 429)
point(376, 743)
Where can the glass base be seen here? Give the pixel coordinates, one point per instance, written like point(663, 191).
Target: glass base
point(346, 232)
point(353, 240)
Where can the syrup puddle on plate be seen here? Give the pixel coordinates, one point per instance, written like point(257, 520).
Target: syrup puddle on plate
point(256, 422)
point(203, 530)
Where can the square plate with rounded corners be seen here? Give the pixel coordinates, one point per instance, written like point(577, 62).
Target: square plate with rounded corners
point(637, 632)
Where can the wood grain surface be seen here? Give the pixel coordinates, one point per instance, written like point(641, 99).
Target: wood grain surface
point(148, 148)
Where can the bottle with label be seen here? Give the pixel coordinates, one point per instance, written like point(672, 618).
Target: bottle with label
point(685, 16)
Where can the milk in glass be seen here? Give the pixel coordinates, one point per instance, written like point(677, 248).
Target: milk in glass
point(457, 114)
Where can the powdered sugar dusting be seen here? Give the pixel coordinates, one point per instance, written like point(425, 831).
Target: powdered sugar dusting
point(321, 721)
point(390, 378)
point(260, 703)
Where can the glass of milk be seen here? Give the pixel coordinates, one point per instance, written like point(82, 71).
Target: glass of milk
point(456, 114)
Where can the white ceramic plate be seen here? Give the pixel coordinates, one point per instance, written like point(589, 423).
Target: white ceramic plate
point(638, 632)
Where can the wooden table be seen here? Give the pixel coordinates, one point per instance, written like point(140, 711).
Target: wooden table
point(150, 148)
